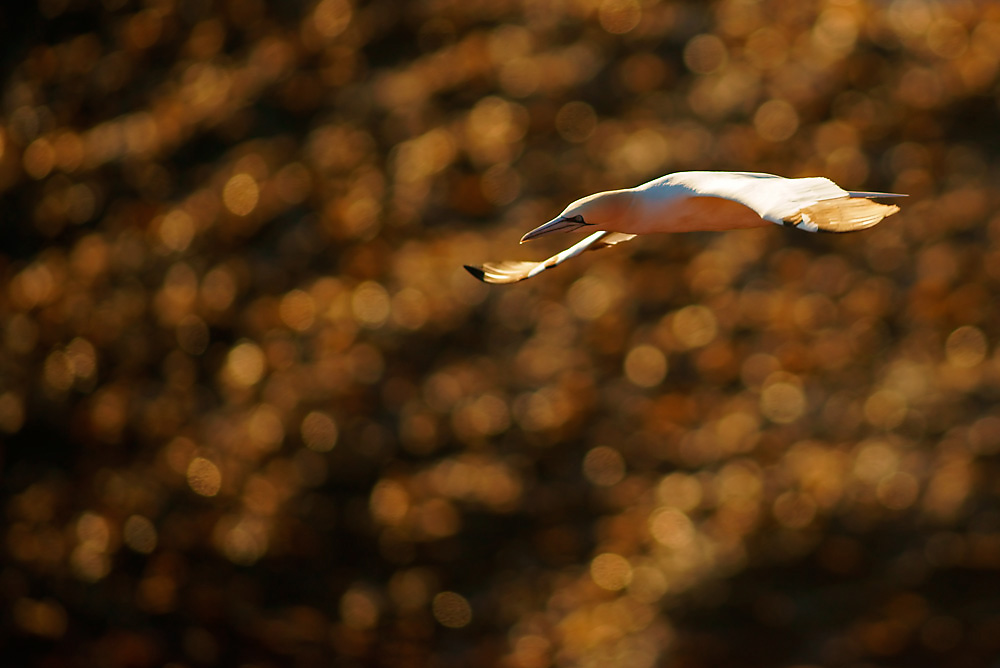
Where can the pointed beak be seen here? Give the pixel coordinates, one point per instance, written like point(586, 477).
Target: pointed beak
point(555, 225)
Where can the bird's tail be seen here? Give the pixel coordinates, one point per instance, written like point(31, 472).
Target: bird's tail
point(858, 193)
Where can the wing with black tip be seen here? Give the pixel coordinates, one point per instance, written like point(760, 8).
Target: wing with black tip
point(512, 271)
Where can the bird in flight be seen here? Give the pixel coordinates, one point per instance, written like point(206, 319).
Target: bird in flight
point(698, 201)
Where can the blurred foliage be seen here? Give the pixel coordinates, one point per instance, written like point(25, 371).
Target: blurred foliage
point(255, 413)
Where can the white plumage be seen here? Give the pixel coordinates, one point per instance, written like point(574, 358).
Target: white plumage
point(699, 201)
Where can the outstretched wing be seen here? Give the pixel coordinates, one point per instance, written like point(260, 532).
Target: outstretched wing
point(814, 204)
point(511, 271)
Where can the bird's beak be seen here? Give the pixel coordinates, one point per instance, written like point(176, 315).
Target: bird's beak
point(559, 224)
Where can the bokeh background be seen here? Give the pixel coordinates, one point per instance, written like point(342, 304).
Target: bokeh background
point(255, 413)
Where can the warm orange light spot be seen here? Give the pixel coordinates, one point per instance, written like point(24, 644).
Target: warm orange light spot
point(370, 304)
point(245, 364)
point(782, 399)
point(11, 412)
point(410, 308)
point(645, 366)
point(604, 466)
point(265, 427)
point(451, 610)
point(243, 540)
point(898, 491)
point(671, 528)
point(139, 534)
point(359, 609)
point(319, 431)
point(58, 371)
point(611, 571)
point(966, 347)
point(776, 120)
point(695, 326)
point(439, 519)
point(794, 510)
point(298, 310)
point(218, 288)
point(241, 194)
point(886, 409)
point(177, 230)
point(410, 589)
point(204, 477)
point(331, 17)
point(874, 461)
point(90, 558)
point(619, 16)
point(82, 357)
point(389, 502)
point(590, 297)
point(681, 491)
point(39, 158)
point(45, 618)
point(705, 54)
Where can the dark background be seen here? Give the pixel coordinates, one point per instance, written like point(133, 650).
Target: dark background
point(255, 413)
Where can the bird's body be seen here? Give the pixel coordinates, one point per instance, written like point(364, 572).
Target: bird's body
point(699, 201)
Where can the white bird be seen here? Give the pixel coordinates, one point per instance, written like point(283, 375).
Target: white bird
point(699, 201)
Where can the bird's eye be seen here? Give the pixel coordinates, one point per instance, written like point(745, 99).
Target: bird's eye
point(577, 219)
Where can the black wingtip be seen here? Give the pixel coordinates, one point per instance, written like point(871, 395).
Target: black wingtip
point(476, 271)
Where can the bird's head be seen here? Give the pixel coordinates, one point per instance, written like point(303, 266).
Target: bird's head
point(602, 211)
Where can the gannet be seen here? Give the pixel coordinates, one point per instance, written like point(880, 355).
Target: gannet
point(698, 201)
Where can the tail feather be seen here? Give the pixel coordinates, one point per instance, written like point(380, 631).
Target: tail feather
point(858, 193)
point(844, 214)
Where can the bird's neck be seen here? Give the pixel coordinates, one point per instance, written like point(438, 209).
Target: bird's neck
point(616, 209)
